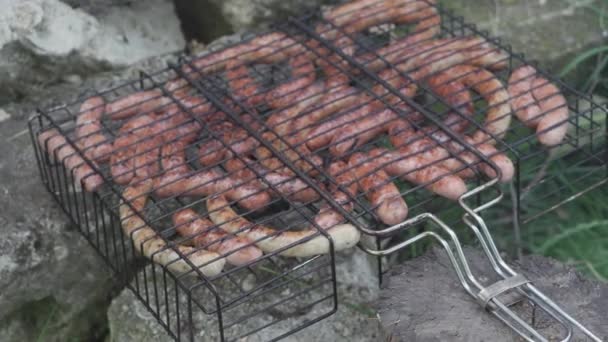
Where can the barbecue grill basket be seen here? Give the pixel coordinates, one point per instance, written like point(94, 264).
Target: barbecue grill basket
point(283, 288)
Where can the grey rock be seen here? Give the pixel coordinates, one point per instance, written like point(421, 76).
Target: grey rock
point(248, 14)
point(210, 19)
point(53, 286)
point(42, 41)
point(96, 6)
point(550, 31)
point(129, 320)
point(423, 300)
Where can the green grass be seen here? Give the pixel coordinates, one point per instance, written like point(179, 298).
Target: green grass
point(594, 61)
point(577, 233)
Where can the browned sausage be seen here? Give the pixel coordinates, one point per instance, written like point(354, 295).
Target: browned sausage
point(337, 98)
point(142, 102)
point(281, 122)
point(471, 50)
point(89, 131)
point(381, 192)
point(498, 117)
point(244, 87)
point(147, 241)
point(328, 216)
point(271, 49)
point(504, 164)
point(301, 243)
point(358, 133)
point(523, 102)
point(131, 133)
point(146, 158)
point(302, 74)
point(239, 170)
point(448, 87)
point(288, 186)
point(58, 148)
point(377, 120)
point(230, 140)
point(552, 128)
point(427, 148)
point(173, 122)
point(322, 134)
point(417, 171)
point(203, 233)
point(539, 104)
point(302, 157)
point(274, 44)
point(363, 14)
point(178, 180)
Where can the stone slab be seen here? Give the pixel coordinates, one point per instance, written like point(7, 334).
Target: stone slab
point(423, 301)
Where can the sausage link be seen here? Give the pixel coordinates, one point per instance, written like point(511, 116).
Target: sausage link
point(373, 13)
point(498, 118)
point(89, 131)
point(147, 241)
point(122, 165)
point(383, 194)
point(58, 148)
point(179, 180)
point(146, 158)
point(287, 185)
point(416, 170)
point(137, 103)
point(237, 250)
point(539, 104)
point(281, 122)
point(457, 96)
point(426, 147)
point(471, 50)
point(302, 243)
point(328, 216)
point(553, 126)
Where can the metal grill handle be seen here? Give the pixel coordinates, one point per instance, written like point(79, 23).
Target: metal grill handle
point(487, 296)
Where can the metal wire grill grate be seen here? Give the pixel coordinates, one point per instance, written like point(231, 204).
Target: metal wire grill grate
point(237, 136)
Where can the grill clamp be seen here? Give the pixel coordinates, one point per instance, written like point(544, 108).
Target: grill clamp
point(488, 296)
point(100, 209)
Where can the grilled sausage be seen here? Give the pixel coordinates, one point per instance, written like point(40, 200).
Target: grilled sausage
point(137, 103)
point(230, 140)
point(302, 243)
point(179, 180)
point(363, 14)
point(470, 50)
point(89, 132)
point(203, 233)
point(133, 132)
point(416, 170)
point(281, 123)
point(381, 192)
point(374, 121)
point(448, 87)
point(426, 146)
point(288, 186)
point(323, 134)
point(328, 216)
point(503, 163)
point(147, 242)
point(539, 104)
point(58, 149)
point(498, 118)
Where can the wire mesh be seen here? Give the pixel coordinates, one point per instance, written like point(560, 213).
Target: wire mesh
point(296, 129)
